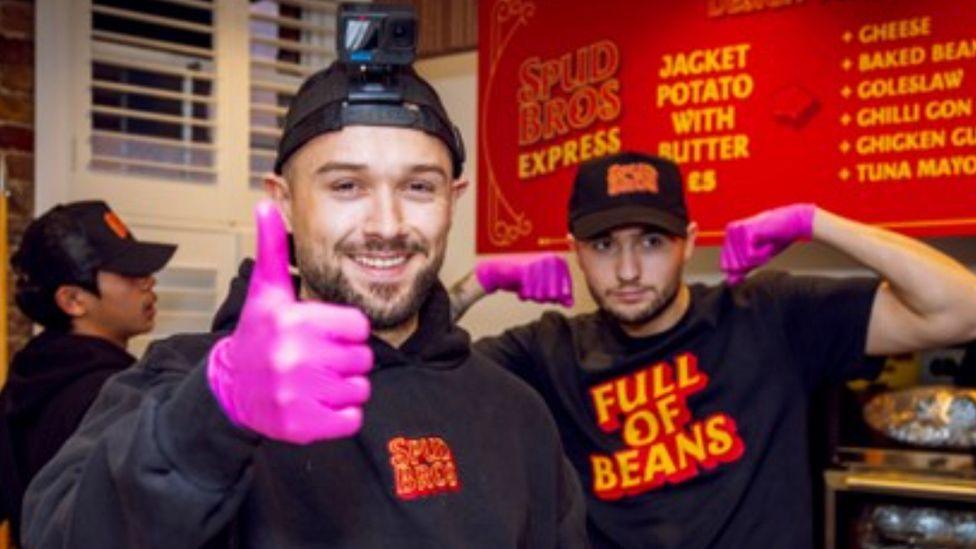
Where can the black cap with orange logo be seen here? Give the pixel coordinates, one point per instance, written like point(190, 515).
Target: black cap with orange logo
point(95, 236)
point(627, 188)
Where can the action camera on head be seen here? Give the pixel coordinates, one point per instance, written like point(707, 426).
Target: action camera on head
point(377, 37)
point(372, 83)
point(376, 43)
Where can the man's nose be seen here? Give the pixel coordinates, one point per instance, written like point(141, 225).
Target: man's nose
point(385, 219)
point(628, 264)
point(146, 282)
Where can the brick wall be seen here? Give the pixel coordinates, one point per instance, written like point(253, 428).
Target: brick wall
point(17, 133)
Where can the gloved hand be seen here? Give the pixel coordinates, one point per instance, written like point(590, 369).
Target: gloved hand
point(543, 278)
point(753, 241)
point(291, 371)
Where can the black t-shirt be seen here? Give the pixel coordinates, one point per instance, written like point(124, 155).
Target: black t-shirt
point(696, 437)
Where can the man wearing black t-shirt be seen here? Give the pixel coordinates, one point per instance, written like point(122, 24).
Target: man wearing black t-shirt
point(684, 408)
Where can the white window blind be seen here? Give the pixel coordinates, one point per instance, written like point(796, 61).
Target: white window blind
point(290, 40)
point(152, 89)
point(187, 298)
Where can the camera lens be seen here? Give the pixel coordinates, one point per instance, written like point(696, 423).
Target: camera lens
point(403, 33)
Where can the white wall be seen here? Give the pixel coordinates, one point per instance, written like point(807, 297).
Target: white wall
point(455, 78)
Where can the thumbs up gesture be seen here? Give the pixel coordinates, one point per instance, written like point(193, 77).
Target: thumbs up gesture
point(291, 371)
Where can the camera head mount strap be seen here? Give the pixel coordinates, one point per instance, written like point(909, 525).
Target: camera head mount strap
point(342, 96)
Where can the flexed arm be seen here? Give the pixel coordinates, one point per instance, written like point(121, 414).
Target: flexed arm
point(543, 278)
point(927, 299)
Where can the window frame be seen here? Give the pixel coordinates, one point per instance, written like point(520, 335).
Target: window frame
point(63, 127)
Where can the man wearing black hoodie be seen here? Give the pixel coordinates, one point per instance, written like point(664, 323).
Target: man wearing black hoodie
point(82, 276)
point(346, 412)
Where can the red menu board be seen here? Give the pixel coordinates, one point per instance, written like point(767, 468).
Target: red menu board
point(865, 107)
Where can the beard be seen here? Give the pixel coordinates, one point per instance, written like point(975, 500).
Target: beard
point(658, 305)
point(380, 303)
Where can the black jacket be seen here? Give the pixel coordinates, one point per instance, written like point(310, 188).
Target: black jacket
point(454, 452)
point(53, 381)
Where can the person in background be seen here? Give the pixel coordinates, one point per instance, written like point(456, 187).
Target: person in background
point(81, 275)
point(684, 407)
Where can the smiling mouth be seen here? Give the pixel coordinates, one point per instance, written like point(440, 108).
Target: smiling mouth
point(382, 267)
point(380, 262)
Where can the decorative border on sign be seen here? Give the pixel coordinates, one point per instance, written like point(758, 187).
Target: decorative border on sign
point(505, 225)
point(921, 224)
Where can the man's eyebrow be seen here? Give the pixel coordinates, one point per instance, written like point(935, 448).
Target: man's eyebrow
point(340, 166)
point(424, 168)
point(355, 167)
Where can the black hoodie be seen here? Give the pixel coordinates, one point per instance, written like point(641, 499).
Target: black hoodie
point(53, 381)
point(454, 452)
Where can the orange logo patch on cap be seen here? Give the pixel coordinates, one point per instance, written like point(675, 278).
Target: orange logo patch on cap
point(631, 178)
point(116, 225)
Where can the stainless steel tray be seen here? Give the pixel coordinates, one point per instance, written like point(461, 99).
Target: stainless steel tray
point(944, 463)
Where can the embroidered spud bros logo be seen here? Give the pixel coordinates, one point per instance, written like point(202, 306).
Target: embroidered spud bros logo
point(631, 178)
point(422, 467)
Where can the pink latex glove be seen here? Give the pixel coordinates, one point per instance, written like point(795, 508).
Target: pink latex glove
point(291, 371)
point(543, 278)
point(753, 241)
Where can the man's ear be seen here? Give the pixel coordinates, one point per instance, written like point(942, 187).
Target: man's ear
point(690, 240)
point(279, 191)
point(75, 301)
point(458, 186)
point(574, 245)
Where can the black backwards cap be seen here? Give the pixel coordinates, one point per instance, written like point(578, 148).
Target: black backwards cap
point(329, 100)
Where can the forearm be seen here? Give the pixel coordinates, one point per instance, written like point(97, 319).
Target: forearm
point(927, 282)
point(465, 293)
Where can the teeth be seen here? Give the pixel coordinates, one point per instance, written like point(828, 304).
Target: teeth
point(381, 262)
